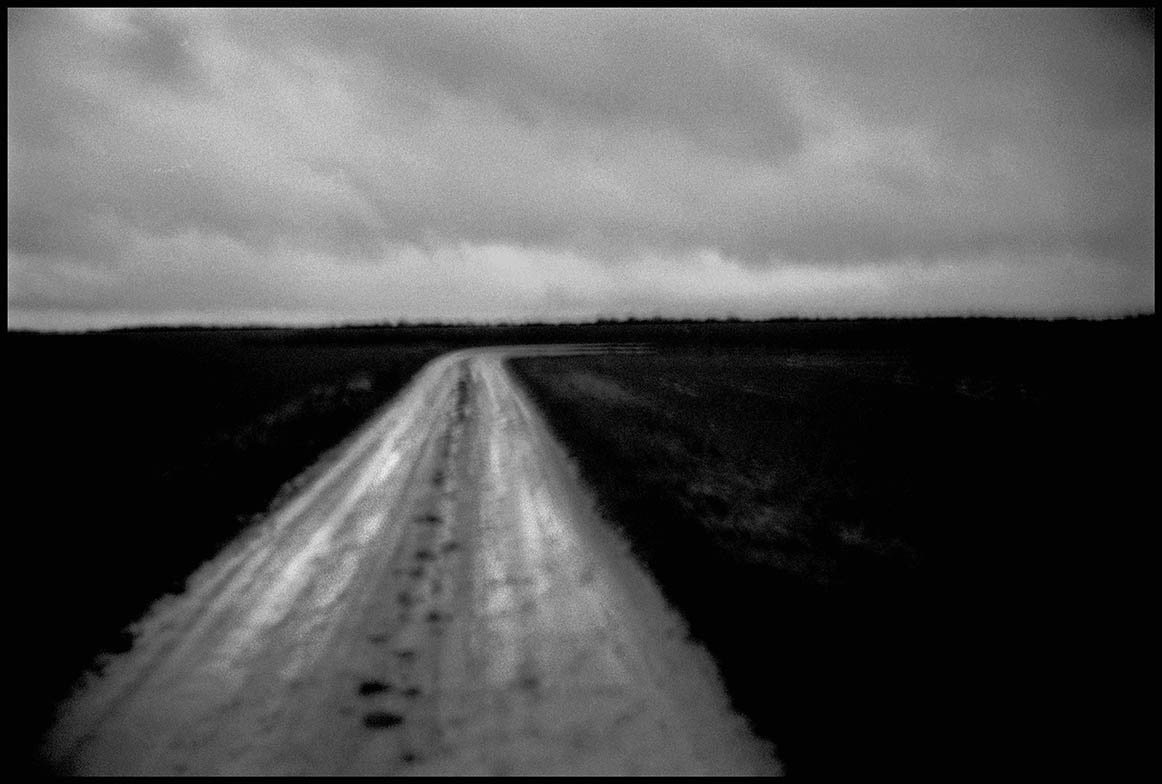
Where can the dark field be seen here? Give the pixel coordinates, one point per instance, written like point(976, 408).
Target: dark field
point(899, 538)
point(138, 455)
point(904, 543)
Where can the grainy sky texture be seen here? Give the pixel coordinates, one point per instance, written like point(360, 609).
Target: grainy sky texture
point(299, 166)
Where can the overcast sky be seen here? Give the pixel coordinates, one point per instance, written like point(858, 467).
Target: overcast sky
point(299, 166)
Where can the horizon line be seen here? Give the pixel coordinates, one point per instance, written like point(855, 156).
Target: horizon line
point(596, 321)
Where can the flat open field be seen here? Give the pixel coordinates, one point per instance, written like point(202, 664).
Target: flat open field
point(881, 530)
point(895, 539)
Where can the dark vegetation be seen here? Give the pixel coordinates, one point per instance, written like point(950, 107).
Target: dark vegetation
point(816, 471)
point(905, 543)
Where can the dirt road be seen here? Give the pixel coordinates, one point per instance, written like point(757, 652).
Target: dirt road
point(442, 599)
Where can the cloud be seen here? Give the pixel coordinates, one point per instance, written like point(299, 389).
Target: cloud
point(259, 147)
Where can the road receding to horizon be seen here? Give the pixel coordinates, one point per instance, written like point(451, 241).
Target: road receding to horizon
point(441, 599)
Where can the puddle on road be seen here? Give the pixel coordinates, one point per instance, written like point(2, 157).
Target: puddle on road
point(382, 720)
